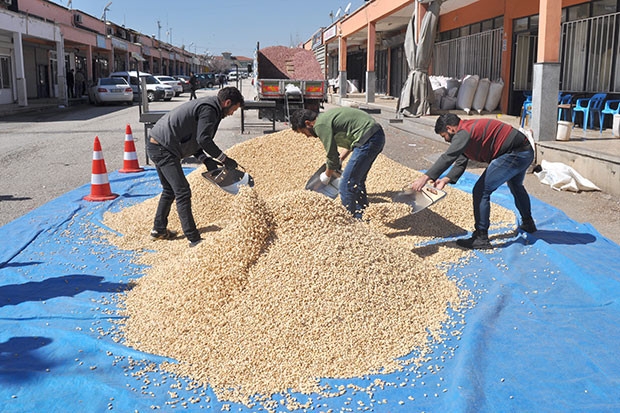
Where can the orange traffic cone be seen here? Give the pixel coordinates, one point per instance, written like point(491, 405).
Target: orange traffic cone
point(130, 158)
point(99, 184)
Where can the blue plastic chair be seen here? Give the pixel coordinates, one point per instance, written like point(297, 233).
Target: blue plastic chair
point(609, 110)
point(587, 105)
point(526, 109)
point(564, 100)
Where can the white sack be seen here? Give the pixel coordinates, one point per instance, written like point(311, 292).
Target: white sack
point(448, 103)
point(562, 177)
point(465, 97)
point(439, 94)
point(436, 82)
point(494, 96)
point(452, 83)
point(480, 98)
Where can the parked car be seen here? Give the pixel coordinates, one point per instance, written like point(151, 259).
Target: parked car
point(172, 82)
point(155, 90)
point(233, 76)
point(206, 80)
point(110, 90)
point(184, 82)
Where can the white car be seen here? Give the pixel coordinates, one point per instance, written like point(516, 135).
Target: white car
point(233, 76)
point(155, 90)
point(172, 82)
point(110, 90)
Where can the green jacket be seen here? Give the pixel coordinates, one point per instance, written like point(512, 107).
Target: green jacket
point(343, 127)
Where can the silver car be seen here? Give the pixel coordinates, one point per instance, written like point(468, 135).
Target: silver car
point(176, 84)
point(110, 90)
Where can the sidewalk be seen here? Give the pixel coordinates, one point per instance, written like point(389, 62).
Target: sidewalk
point(38, 105)
point(595, 155)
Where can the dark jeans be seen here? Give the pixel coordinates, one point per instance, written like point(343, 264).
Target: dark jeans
point(353, 182)
point(192, 94)
point(175, 187)
point(509, 168)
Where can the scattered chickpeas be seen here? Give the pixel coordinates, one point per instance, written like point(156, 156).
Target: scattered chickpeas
point(287, 287)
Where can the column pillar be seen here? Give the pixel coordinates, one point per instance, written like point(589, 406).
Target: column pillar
point(343, 86)
point(546, 78)
point(62, 78)
point(20, 84)
point(370, 63)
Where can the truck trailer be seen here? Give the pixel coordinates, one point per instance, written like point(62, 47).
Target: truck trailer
point(289, 76)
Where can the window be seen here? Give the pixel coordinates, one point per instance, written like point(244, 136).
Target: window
point(5, 72)
point(487, 25)
point(603, 7)
point(520, 25)
point(579, 12)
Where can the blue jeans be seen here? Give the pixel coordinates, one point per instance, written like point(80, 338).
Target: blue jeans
point(353, 182)
point(175, 187)
point(509, 168)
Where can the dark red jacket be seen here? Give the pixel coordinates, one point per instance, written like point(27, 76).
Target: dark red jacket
point(481, 140)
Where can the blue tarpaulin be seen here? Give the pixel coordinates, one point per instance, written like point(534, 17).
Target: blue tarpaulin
point(541, 333)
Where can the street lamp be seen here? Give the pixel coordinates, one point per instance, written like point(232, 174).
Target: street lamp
point(105, 10)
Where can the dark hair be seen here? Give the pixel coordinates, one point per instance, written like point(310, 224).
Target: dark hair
point(232, 93)
point(299, 118)
point(447, 119)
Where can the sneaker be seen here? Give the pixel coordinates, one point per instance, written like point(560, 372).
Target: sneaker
point(528, 225)
point(165, 234)
point(192, 244)
point(478, 241)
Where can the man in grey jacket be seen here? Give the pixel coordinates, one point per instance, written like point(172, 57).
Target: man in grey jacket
point(186, 131)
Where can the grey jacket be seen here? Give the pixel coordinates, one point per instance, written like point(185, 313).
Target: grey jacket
point(190, 128)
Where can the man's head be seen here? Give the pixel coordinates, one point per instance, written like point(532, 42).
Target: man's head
point(447, 125)
point(302, 121)
point(231, 99)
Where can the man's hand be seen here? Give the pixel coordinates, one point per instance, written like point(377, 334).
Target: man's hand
point(210, 163)
point(230, 163)
point(440, 183)
point(419, 183)
point(344, 153)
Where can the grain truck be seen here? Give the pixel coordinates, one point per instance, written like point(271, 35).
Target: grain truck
point(289, 76)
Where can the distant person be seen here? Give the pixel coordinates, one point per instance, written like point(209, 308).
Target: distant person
point(188, 130)
point(508, 153)
point(79, 83)
point(355, 131)
point(221, 80)
point(193, 85)
point(70, 84)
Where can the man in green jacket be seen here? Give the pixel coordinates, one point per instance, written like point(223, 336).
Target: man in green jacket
point(356, 132)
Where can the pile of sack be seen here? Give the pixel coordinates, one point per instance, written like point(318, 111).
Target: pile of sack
point(469, 93)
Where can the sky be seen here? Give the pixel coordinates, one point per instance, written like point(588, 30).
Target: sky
point(233, 26)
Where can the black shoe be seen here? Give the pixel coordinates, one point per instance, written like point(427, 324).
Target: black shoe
point(165, 235)
point(192, 244)
point(528, 225)
point(478, 241)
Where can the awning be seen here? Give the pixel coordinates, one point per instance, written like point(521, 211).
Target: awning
point(138, 57)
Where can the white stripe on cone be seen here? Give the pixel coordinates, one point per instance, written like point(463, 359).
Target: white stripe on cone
point(99, 179)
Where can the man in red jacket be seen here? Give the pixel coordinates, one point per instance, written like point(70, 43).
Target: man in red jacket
point(508, 153)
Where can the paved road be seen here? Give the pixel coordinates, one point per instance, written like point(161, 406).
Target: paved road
point(45, 155)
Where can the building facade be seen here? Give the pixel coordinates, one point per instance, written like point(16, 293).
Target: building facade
point(41, 42)
point(537, 47)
